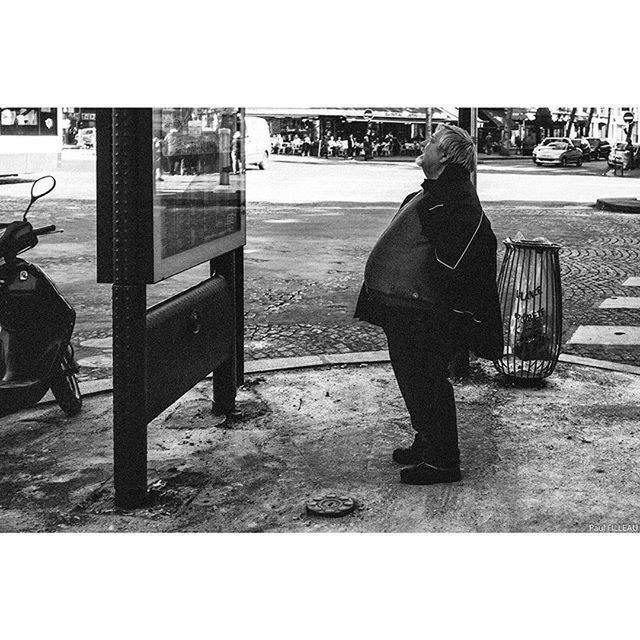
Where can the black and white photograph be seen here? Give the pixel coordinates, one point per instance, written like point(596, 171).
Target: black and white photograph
point(306, 314)
point(405, 296)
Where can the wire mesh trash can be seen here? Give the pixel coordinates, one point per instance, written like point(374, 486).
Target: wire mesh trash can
point(531, 303)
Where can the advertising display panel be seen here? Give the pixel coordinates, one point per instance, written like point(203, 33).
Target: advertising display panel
point(170, 195)
point(199, 203)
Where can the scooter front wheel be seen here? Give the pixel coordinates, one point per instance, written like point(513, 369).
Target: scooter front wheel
point(64, 384)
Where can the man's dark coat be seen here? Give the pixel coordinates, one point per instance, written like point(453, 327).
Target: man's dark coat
point(444, 264)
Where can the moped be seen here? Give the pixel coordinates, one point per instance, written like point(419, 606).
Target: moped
point(36, 322)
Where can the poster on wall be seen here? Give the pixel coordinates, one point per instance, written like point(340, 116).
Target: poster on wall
point(29, 121)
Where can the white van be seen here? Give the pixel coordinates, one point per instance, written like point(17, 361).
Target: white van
point(257, 141)
point(86, 138)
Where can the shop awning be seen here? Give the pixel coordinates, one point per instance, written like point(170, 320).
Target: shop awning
point(406, 115)
point(492, 115)
point(499, 115)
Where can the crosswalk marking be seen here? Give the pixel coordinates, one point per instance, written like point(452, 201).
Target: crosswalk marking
point(606, 335)
point(612, 335)
point(620, 302)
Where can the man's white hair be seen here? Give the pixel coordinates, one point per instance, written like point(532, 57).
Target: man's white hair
point(457, 145)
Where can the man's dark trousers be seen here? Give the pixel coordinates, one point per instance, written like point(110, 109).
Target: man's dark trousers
point(421, 345)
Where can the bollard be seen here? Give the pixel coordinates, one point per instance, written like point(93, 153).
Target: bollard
point(531, 303)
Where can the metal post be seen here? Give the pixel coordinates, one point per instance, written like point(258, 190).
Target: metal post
point(226, 375)
point(239, 301)
point(468, 120)
point(428, 123)
point(473, 131)
point(129, 319)
point(243, 133)
point(104, 195)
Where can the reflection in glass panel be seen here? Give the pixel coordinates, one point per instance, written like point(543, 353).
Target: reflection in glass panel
point(199, 186)
point(29, 121)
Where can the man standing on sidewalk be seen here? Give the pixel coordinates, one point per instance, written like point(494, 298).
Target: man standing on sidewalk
point(488, 144)
point(430, 283)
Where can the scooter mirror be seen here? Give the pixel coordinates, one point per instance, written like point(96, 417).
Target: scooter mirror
point(42, 186)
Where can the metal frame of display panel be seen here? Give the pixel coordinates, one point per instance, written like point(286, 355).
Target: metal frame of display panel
point(185, 337)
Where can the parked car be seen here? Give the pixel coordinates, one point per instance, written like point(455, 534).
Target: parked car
point(560, 153)
point(600, 148)
point(621, 155)
point(546, 142)
point(582, 143)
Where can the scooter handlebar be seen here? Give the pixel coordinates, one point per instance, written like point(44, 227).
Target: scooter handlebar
point(44, 230)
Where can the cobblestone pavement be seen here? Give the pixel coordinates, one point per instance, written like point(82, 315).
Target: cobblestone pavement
point(600, 251)
point(303, 269)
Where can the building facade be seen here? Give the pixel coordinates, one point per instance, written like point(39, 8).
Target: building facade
point(527, 126)
point(512, 129)
point(404, 123)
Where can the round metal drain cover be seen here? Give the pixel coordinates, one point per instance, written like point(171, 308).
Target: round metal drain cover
point(331, 506)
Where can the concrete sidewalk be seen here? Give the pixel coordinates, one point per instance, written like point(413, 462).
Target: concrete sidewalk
point(560, 458)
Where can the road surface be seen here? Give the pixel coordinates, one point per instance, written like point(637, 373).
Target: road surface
point(310, 226)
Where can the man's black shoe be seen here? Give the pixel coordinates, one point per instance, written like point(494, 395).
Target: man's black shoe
point(424, 473)
point(410, 455)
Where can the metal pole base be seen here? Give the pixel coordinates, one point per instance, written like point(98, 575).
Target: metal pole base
point(129, 391)
point(131, 499)
point(224, 388)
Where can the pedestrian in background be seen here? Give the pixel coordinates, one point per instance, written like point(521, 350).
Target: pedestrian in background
point(488, 144)
point(158, 154)
point(236, 153)
point(368, 146)
point(324, 146)
point(518, 141)
point(430, 283)
point(173, 148)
